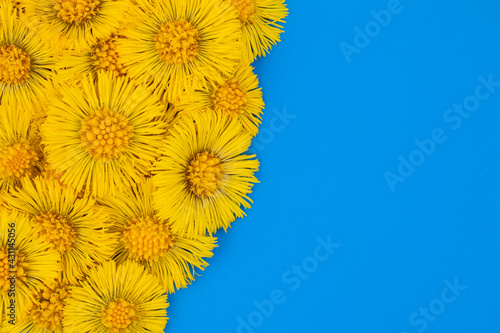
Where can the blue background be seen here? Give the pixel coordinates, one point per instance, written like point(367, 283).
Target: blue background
point(322, 175)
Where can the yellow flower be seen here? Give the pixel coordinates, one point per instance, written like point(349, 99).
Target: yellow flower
point(76, 24)
point(26, 62)
point(102, 56)
point(74, 227)
point(150, 241)
point(24, 256)
point(203, 179)
point(239, 96)
point(104, 136)
point(177, 44)
point(20, 151)
point(45, 311)
point(117, 299)
point(260, 24)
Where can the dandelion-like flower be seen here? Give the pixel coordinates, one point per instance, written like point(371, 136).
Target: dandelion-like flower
point(45, 310)
point(20, 150)
point(105, 136)
point(26, 62)
point(177, 45)
point(150, 241)
point(117, 299)
point(76, 24)
point(238, 96)
point(26, 263)
point(203, 178)
point(102, 56)
point(74, 227)
point(260, 23)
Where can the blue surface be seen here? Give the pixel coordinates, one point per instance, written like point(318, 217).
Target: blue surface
point(324, 175)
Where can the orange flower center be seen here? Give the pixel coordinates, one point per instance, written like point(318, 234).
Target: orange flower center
point(106, 135)
point(177, 42)
point(48, 306)
point(205, 174)
point(55, 229)
point(229, 98)
point(18, 160)
point(76, 11)
point(147, 238)
point(105, 57)
point(118, 315)
point(15, 65)
point(246, 10)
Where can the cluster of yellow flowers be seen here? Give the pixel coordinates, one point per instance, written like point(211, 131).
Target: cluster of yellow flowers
point(123, 131)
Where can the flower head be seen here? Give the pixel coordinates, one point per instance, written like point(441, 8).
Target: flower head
point(101, 57)
point(260, 23)
point(178, 45)
point(45, 310)
point(203, 179)
point(150, 240)
point(238, 96)
point(117, 299)
point(76, 24)
point(73, 227)
point(20, 150)
point(105, 136)
point(26, 62)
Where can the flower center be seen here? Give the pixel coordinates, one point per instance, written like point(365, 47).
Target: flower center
point(106, 135)
point(48, 305)
point(246, 10)
point(229, 98)
point(205, 174)
point(76, 11)
point(118, 314)
point(7, 269)
point(147, 238)
point(18, 160)
point(55, 229)
point(105, 57)
point(177, 42)
point(15, 65)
